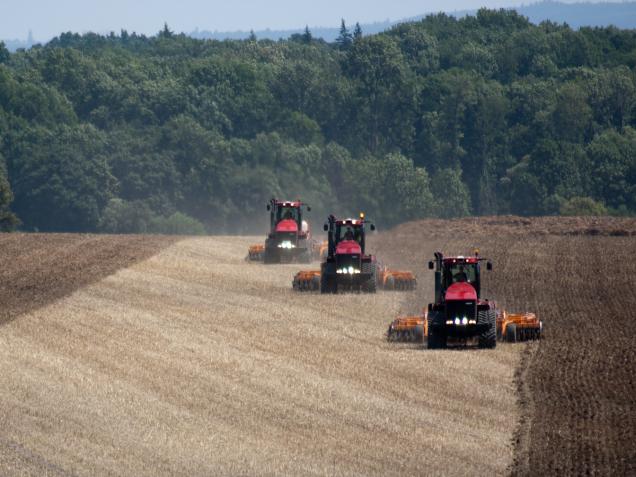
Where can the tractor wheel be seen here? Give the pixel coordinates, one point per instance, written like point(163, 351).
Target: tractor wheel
point(371, 284)
point(333, 285)
point(435, 340)
point(488, 338)
point(511, 333)
point(324, 283)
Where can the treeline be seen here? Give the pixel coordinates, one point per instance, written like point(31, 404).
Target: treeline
point(443, 117)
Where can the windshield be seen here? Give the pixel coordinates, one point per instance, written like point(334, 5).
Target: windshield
point(461, 272)
point(286, 213)
point(348, 232)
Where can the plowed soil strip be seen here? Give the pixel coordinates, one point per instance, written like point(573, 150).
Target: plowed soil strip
point(195, 362)
point(582, 378)
point(39, 268)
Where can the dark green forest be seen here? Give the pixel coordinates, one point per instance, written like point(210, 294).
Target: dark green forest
point(488, 114)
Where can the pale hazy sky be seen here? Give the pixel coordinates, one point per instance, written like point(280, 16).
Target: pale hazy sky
point(48, 18)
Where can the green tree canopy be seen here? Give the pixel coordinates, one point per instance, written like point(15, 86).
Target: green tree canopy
point(444, 116)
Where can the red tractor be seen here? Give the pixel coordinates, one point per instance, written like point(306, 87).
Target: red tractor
point(458, 311)
point(289, 239)
point(347, 266)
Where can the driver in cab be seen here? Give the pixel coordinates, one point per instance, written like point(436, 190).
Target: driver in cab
point(461, 276)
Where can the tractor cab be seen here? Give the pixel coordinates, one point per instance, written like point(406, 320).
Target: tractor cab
point(289, 235)
point(457, 270)
point(347, 264)
point(287, 216)
point(458, 310)
point(346, 236)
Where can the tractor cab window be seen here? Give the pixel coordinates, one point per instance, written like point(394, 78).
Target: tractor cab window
point(349, 232)
point(287, 213)
point(461, 272)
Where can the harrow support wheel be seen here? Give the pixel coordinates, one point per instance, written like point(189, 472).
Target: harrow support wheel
point(511, 333)
point(418, 333)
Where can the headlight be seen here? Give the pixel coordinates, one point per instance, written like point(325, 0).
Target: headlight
point(464, 321)
point(449, 322)
point(472, 322)
point(457, 321)
point(286, 244)
point(348, 270)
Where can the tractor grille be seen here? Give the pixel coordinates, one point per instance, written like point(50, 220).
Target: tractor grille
point(348, 260)
point(461, 309)
point(286, 237)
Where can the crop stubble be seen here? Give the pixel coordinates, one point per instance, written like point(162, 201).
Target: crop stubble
point(195, 362)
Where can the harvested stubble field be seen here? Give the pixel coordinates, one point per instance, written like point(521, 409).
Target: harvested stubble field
point(195, 362)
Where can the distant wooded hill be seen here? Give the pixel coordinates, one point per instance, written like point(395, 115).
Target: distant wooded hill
point(576, 15)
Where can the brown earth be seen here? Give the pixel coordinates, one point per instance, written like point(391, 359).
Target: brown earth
point(195, 362)
point(577, 388)
point(40, 268)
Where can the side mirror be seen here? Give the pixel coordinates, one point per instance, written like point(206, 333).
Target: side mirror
point(431, 265)
point(308, 209)
point(372, 227)
point(325, 228)
point(269, 207)
point(488, 265)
